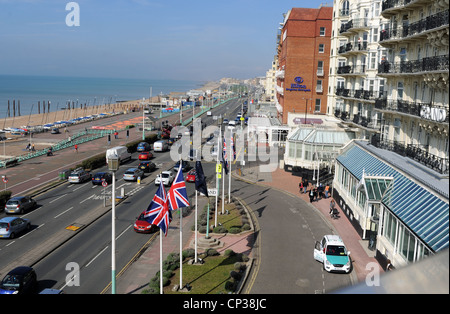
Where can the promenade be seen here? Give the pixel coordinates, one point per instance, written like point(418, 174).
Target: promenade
point(39, 171)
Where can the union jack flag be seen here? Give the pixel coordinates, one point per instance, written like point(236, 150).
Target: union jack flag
point(158, 212)
point(233, 148)
point(178, 194)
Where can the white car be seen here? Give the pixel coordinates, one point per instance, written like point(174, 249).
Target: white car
point(167, 178)
point(333, 254)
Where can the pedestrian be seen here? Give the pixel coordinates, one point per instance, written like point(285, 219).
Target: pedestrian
point(28, 147)
point(32, 148)
point(320, 190)
point(116, 135)
point(311, 195)
point(76, 148)
point(300, 186)
point(327, 190)
point(305, 186)
point(389, 266)
point(315, 193)
point(332, 205)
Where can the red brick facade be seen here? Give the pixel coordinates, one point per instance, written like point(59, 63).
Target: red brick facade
point(299, 56)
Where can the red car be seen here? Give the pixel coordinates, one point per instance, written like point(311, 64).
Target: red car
point(143, 226)
point(191, 176)
point(145, 156)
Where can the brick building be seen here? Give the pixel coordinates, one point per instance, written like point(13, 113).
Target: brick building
point(303, 57)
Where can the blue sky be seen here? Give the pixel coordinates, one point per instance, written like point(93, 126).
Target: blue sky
point(171, 39)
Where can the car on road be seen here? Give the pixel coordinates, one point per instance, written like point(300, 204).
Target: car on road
point(55, 131)
point(143, 147)
point(145, 156)
point(143, 226)
point(79, 175)
point(147, 166)
point(191, 176)
point(20, 280)
point(12, 226)
point(19, 204)
point(225, 121)
point(184, 165)
point(132, 174)
point(333, 254)
point(167, 178)
point(99, 177)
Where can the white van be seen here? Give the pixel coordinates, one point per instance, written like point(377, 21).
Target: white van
point(119, 151)
point(160, 146)
point(232, 123)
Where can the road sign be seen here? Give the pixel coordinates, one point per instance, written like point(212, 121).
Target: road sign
point(4, 179)
point(219, 168)
point(104, 183)
point(212, 192)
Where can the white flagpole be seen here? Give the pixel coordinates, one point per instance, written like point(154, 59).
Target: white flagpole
point(217, 179)
point(223, 190)
point(181, 233)
point(196, 233)
point(229, 170)
point(160, 262)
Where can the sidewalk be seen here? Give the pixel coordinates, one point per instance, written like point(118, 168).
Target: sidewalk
point(286, 182)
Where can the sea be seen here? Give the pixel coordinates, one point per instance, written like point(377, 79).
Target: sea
point(30, 90)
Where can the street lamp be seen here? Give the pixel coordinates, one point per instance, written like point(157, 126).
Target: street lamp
point(113, 165)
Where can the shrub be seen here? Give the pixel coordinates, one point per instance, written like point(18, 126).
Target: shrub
point(246, 227)
point(188, 253)
point(211, 252)
point(230, 286)
point(235, 275)
point(229, 253)
point(235, 230)
point(219, 229)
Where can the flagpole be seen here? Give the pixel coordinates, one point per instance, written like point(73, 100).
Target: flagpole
point(160, 262)
point(219, 147)
point(181, 236)
point(230, 158)
point(223, 190)
point(196, 233)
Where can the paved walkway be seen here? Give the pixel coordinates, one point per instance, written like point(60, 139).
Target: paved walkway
point(285, 182)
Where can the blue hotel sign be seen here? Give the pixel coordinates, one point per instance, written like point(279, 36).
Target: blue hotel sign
point(297, 86)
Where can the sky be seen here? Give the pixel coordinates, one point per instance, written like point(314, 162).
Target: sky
point(202, 40)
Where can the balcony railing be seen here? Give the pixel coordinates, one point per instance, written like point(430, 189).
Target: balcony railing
point(351, 69)
point(425, 111)
point(415, 152)
point(358, 93)
point(429, 23)
point(349, 47)
point(436, 63)
point(354, 24)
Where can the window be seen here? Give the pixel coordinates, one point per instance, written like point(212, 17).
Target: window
point(320, 68)
point(373, 60)
point(399, 90)
point(322, 31)
point(321, 48)
point(317, 106)
point(345, 8)
point(375, 35)
point(319, 88)
point(397, 129)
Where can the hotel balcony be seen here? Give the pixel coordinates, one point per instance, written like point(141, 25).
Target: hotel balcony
point(417, 29)
point(279, 74)
point(357, 120)
point(351, 70)
point(354, 26)
point(424, 65)
point(358, 94)
point(349, 48)
point(426, 111)
point(391, 7)
point(414, 152)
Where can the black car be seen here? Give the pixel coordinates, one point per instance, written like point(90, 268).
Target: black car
point(184, 165)
point(20, 280)
point(98, 178)
point(147, 166)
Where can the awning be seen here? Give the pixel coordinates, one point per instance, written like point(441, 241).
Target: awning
point(423, 212)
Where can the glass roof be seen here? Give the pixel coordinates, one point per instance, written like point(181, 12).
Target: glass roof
point(423, 212)
point(320, 136)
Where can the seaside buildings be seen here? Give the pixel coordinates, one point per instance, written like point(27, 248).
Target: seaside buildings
point(303, 62)
point(389, 82)
point(386, 96)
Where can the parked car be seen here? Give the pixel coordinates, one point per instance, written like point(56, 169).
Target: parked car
point(99, 177)
point(333, 254)
point(20, 280)
point(184, 165)
point(143, 226)
point(147, 166)
point(79, 175)
point(145, 156)
point(143, 147)
point(167, 178)
point(19, 204)
point(55, 131)
point(191, 176)
point(11, 226)
point(132, 174)
point(225, 121)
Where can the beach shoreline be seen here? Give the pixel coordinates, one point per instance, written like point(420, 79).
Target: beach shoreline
point(40, 119)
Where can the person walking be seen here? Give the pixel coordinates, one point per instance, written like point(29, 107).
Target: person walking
point(300, 187)
point(305, 186)
point(327, 190)
point(332, 206)
point(76, 148)
point(311, 195)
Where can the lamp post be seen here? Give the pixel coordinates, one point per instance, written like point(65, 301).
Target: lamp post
point(113, 165)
